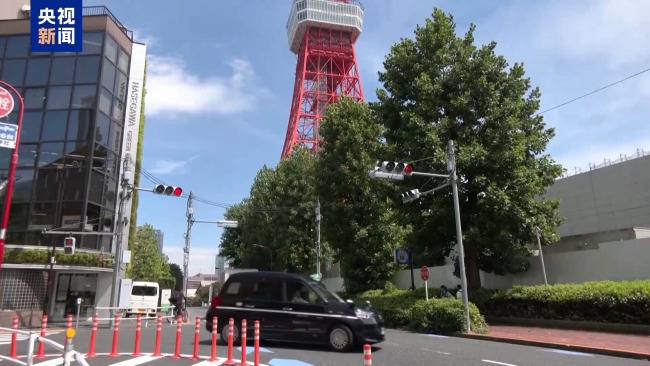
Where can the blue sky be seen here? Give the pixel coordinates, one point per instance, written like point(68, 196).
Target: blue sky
point(220, 83)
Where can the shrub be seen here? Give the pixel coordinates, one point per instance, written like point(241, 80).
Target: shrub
point(445, 316)
point(604, 301)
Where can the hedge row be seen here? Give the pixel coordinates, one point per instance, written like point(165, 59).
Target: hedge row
point(409, 309)
point(626, 302)
point(35, 256)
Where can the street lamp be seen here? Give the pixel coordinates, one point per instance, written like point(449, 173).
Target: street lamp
point(6, 107)
point(398, 171)
point(270, 252)
point(541, 254)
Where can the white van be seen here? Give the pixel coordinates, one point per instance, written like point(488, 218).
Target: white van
point(144, 299)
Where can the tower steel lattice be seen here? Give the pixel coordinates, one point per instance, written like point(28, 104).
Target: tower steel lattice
point(322, 33)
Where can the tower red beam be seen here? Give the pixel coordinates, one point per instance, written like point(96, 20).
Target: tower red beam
point(322, 33)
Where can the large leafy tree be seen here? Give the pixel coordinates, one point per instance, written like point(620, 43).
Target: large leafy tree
point(147, 263)
point(176, 272)
point(359, 218)
point(439, 86)
point(276, 223)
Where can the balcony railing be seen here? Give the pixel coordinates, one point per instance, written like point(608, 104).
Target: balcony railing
point(91, 11)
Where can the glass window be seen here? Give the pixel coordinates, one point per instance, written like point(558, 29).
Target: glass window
point(54, 125)
point(96, 187)
point(93, 215)
point(17, 46)
point(118, 109)
point(102, 129)
point(34, 98)
point(108, 75)
point(79, 124)
point(123, 61)
point(38, 70)
point(115, 141)
point(77, 154)
point(62, 70)
point(30, 131)
point(87, 70)
point(58, 97)
point(23, 185)
point(111, 49)
point(105, 99)
point(99, 157)
point(92, 43)
point(75, 183)
point(3, 42)
point(120, 86)
point(43, 214)
point(84, 96)
point(26, 155)
point(18, 216)
point(13, 71)
point(110, 187)
point(51, 154)
point(49, 184)
point(5, 156)
point(112, 164)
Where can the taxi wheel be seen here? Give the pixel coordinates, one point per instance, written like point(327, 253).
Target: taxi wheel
point(223, 334)
point(340, 338)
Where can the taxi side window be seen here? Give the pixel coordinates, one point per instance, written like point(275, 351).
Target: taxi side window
point(298, 292)
point(267, 289)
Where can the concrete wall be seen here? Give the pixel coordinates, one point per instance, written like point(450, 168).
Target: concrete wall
point(608, 198)
point(11, 9)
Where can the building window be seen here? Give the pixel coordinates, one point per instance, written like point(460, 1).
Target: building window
point(102, 129)
point(51, 155)
point(111, 49)
point(93, 43)
point(43, 214)
point(96, 187)
point(77, 154)
point(118, 109)
point(115, 141)
point(13, 71)
point(58, 97)
point(108, 75)
point(34, 98)
point(18, 217)
point(80, 123)
point(105, 99)
point(3, 42)
point(110, 187)
point(120, 86)
point(54, 126)
point(62, 70)
point(49, 185)
point(123, 61)
point(84, 97)
point(75, 184)
point(23, 185)
point(30, 131)
point(38, 70)
point(17, 47)
point(87, 71)
point(26, 155)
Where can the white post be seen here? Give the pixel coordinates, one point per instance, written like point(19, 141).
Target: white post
point(426, 289)
point(30, 349)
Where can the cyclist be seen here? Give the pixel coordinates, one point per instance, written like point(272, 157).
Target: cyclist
point(178, 300)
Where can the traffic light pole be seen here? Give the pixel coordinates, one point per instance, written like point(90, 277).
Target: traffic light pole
point(124, 195)
point(188, 236)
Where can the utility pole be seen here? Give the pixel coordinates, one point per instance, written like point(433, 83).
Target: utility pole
point(118, 271)
point(318, 251)
point(541, 254)
point(459, 231)
point(188, 236)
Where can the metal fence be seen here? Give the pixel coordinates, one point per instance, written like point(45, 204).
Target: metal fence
point(606, 162)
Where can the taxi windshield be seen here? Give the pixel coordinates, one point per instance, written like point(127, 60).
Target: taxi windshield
point(325, 293)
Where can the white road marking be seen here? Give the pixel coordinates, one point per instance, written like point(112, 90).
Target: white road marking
point(53, 362)
point(498, 363)
point(145, 358)
point(571, 353)
point(136, 361)
point(439, 352)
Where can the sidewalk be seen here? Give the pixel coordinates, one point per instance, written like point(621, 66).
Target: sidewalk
point(612, 344)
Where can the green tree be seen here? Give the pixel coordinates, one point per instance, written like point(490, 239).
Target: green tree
point(203, 294)
point(176, 272)
point(359, 220)
point(439, 86)
point(147, 262)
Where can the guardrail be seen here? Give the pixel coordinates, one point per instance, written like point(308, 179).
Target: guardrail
point(69, 354)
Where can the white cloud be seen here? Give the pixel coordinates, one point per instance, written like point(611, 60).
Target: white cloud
point(173, 89)
point(577, 160)
point(201, 259)
point(169, 166)
point(143, 37)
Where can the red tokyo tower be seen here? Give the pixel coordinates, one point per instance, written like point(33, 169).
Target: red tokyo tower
point(322, 33)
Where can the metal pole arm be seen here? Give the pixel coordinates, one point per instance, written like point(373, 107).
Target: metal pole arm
point(436, 189)
point(434, 175)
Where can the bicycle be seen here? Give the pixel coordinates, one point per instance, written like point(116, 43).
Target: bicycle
point(184, 315)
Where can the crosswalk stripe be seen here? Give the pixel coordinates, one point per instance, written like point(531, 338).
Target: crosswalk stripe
point(53, 362)
point(57, 360)
point(136, 361)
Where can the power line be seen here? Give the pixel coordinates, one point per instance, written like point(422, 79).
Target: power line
point(593, 92)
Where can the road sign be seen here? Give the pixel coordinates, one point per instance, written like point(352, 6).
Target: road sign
point(402, 256)
point(424, 273)
point(8, 134)
point(6, 102)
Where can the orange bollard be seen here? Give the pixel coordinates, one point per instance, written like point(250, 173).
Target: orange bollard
point(138, 330)
point(244, 330)
point(41, 345)
point(116, 334)
point(13, 353)
point(256, 339)
point(156, 351)
point(231, 330)
point(68, 324)
point(179, 324)
point(213, 355)
point(367, 355)
point(93, 336)
point(197, 333)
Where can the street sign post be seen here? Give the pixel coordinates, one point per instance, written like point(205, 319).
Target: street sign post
point(424, 275)
point(6, 102)
point(402, 256)
point(8, 134)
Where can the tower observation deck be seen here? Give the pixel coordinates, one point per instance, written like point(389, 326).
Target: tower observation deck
point(322, 33)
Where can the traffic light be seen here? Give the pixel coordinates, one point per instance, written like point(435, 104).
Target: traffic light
point(69, 245)
point(168, 190)
point(394, 167)
point(410, 196)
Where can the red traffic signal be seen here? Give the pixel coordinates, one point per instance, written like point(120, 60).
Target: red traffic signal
point(168, 190)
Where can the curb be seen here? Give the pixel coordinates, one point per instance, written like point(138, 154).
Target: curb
point(562, 346)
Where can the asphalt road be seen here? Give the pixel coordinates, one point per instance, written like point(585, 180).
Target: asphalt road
point(400, 348)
